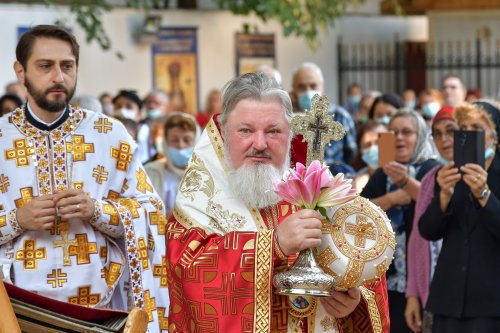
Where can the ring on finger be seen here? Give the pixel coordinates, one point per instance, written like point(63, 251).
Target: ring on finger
point(78, 207)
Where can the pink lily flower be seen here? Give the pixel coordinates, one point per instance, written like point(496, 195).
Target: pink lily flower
point(314, 187)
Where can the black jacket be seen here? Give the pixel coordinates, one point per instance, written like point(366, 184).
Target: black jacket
point(465, 282)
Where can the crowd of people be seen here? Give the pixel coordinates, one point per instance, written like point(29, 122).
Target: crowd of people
point(210, 186)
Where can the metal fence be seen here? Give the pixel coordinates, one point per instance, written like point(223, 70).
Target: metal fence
point(395, 66)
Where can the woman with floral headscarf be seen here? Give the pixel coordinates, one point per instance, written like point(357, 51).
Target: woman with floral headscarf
point(464, 294)
point(395, 187)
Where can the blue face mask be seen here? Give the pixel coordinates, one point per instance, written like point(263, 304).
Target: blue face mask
point(154, 114)
point(370, 156)
point(488, 153)
point(179, 157)
point(430, 109)
point(384, 120)
point(305, 99)
point(354, 100)
point(410, 105)
point(443, 160)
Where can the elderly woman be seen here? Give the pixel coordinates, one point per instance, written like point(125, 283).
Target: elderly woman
point(422, 254)
point(181, 133)
point(394, 187)
point(464, 294)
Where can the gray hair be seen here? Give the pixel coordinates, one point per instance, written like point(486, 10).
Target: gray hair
point(87, 102)
point(311, 66)
point(257, 86)
point(423, 149)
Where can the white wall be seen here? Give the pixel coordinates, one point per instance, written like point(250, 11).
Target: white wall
point(102, 71)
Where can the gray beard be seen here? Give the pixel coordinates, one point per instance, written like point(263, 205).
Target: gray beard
point(253, 184)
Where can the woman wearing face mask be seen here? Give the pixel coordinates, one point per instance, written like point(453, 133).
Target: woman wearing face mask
point(464, 294)
point(422, 254)
point(181, 132)
point(384, 107)
point(394, 188)
point(367, 139)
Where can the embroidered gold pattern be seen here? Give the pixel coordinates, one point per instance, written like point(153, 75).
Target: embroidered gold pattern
point(112, 274)
point(65, 243)
point(26, 196)
point(123, 156)
point(143, 253)
point(21, 152)
point(361, 231)
point(4, 183)
point(157, 218)
point(142, 181)
point(100, 174)
point(196, 179)
point(84, 297)
point(160, 271)
point(222, 220)
point(369, 297)
point(30, 254)
point(83, 249)
point(263, 267)
point(328, 323)
point(79, 148)
point(103, 125)
point(216, 140)
point(57, 278)
point(150, 305)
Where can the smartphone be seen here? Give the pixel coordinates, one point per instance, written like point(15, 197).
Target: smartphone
point(468, 147)
point(386, 148)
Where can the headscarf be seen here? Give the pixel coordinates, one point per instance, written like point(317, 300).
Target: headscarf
point(423, 148)
point(446, 112)
point(492, 108)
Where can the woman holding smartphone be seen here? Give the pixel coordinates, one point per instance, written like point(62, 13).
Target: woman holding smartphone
point(422, 254)
point(464, 294)
point(394, 187)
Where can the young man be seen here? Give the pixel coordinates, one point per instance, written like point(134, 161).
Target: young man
point(230, 231)
point(79, 220)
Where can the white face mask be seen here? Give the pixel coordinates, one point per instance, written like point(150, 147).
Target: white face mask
point(154, 113)
point(127, 113)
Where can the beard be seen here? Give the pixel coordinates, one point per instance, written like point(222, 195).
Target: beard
point(253, 183)
point(40, 97)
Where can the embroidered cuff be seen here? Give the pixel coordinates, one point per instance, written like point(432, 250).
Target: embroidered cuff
point(277, 248)
point(97, 211)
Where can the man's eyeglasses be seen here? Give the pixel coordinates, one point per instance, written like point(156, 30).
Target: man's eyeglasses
point(438, 135)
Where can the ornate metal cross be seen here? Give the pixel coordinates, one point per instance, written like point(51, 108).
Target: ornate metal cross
point(318, 128)
point(65, 243)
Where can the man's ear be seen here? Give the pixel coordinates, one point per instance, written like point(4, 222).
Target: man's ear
point(19, 70)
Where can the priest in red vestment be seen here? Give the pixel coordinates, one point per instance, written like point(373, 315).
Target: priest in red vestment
point(230, 233)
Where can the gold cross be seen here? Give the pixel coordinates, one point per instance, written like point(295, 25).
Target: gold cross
point(157, 218)
point(123, 156)
point(142, 181)
point(112, 274)
point(21, 152)
point(163, 319)
point(143, 252)
point(160, 271)
point(100, 174)
point(318, 128)
point(26, 196)
point(150, 304)
point(362, 230)
point(57, 278)
point(84, 297)
point(30, 254)
point(65, 243)
point(79, 148)
point(4, 183)
point(82, 249)
point(103, 125)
